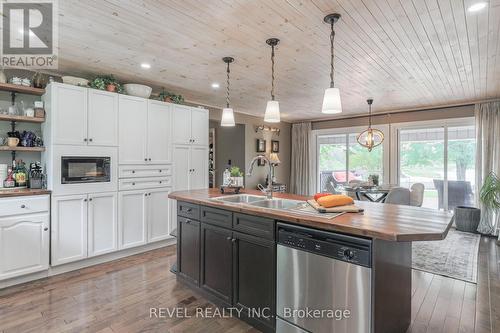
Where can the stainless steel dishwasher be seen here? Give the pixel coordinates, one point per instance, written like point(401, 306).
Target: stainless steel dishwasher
point(323, 282)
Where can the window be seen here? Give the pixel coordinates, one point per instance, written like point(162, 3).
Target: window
point(340, 159)
point(442, 157)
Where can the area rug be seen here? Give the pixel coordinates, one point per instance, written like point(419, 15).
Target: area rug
point(455, 256)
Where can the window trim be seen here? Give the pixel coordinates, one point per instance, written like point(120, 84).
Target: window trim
point(313, 148)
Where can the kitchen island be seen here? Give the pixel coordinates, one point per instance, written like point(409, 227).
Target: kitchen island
point(236, 254)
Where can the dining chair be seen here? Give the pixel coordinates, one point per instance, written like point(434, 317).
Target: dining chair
point(398, 196)
point(417, 194)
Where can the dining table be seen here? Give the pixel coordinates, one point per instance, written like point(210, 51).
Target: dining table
point(370, 193)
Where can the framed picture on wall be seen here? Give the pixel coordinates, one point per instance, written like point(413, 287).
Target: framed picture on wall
point(261, 146)
point(275, 146)
point(261, 162)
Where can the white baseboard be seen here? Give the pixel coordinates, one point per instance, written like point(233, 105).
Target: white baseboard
point(86, 263)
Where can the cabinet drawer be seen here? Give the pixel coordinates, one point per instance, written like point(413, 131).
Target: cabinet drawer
point(24, 205)
point(254, 225)
point(216, 216)
point(188, 210)
point(144, 183)
point(138, 171)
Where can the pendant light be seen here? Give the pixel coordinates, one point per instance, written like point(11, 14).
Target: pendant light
point(331, 100)
point(227, 119)
point(371, 137)
point(272, 114)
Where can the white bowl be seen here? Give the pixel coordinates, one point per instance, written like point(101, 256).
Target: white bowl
point(138, 90)
point(76, 81)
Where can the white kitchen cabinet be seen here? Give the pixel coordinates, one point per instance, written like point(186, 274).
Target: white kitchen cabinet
point(132, 218)
point(132, 128)
point(158, 132)
point(190, 167)
point(199, 126)
point(24, 245)
point(67, 114)
point(69, 229)
point(158, 214)
point(182, 172)
point(102, 118)
point(199, 168)
point(102, 223)
point(190, 125)
point(80, 116)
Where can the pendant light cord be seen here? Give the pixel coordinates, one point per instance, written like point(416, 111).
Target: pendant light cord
point(370, 116)
point(332, 55)
point(272, 72)
point(227, 87)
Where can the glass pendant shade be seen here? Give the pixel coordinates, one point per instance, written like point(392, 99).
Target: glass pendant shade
point(227, 117)
point(331, 101)
point(272, 114)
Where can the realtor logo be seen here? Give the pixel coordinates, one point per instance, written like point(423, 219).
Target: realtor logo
point(29, 34)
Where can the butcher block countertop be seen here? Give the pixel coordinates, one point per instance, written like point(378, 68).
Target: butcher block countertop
point(22, 192)
point(381, 221)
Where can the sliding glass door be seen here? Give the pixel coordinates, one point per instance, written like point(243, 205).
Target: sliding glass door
point(340, 159)
point(442, 159)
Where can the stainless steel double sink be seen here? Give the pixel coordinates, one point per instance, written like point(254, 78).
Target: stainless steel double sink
point(261, 201)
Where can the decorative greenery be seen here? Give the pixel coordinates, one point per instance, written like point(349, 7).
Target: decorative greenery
point(166, 96)
point(490, 192)
point(236, 172)
point(374, 179)
point(102, 81)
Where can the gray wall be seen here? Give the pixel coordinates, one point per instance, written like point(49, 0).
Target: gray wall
point(250, 123)
point(228, 146)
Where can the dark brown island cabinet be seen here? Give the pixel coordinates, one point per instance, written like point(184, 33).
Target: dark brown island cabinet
point(264, 260)
point(230, 258)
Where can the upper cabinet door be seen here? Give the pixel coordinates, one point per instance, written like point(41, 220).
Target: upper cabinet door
point(181, 155)
point(181, 124)
point(69, 229)
point(102, 118)
point(69, 115)
point(199, 168)
point(199, 126)
point(159, 132)
point(102, 223)
point(24, 245)
point(159, 214)
point(132, 130)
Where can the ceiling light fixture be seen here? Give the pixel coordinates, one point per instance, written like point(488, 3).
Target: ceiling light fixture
point(272, 114)
point(331, 100)
point(145, 65)
point(227, 119)
point(215, 85)
point(477, 7)
point(371, 137)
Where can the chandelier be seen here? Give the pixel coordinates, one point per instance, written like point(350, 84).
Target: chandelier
point(371, 137)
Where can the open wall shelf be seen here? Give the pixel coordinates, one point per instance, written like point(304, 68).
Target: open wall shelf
point(23, 119)
point(19, 148)
point(16, 88)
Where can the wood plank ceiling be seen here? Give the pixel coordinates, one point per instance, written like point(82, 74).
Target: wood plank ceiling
point(404, 53)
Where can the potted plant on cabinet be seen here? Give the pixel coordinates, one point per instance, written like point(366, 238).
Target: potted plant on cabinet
point(166, 96)
point(106, 82)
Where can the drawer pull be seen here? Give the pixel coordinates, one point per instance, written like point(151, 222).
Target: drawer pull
point(160, 181)
point(45, 229)
point(159, 170)
point(228, 238)
point(233, 240)
point(133, 183)
point(188, 221)
point(23, 206)
point(133, 171)
point(189, 210)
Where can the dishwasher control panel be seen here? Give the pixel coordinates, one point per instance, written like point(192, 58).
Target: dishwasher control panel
point(338, 246)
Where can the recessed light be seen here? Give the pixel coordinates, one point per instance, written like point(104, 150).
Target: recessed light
point(145, 65)
point(477, 7)
point(215, 85)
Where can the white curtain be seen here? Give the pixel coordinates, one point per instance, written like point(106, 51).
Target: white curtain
point(300, 174)
point(487, 156)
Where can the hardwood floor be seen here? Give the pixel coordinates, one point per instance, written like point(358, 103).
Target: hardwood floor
point(117, 297)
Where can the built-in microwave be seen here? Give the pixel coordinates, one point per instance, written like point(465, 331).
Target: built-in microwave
point(85, 169)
